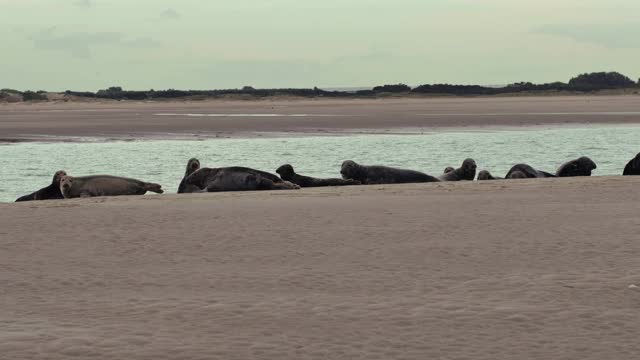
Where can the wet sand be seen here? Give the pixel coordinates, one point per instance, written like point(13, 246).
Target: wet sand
point(526, 269)
point(229, 118)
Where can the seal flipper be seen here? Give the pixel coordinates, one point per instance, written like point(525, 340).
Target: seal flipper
point(156, 188)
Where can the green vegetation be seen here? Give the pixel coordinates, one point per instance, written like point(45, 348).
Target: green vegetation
point(34, 96)
point(583, 83)
point(601, 80)
point(399, 88)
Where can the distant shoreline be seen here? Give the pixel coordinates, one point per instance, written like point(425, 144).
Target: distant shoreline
point(604, 83)
point(61, 97)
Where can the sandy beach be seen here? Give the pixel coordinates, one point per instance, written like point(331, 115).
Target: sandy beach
point(229, 118)
point(527, 269)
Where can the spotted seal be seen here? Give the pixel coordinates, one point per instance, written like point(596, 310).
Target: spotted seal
point(104, 185)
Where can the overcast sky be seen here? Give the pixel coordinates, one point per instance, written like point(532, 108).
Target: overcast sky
point(205, 44)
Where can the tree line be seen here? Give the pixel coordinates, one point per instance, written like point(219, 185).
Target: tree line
point(588, 82)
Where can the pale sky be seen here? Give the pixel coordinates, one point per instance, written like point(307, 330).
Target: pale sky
point(213, 44)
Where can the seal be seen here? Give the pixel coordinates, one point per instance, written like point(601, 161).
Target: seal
point(467, 171)
point(50, 192)
point(518, 175)
point(104, 185)
point(527, 171)
point(486, 175)
point(448, 169)
point(287, 173)
point(378, 174)
point(233, 178)
point(633, 166)
point(581, 166)
point(192, 166)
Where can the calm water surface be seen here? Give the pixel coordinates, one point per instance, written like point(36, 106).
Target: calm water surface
point(27, 167)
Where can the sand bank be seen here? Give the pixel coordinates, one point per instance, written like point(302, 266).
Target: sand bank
point(496, 270)
point(225, 118)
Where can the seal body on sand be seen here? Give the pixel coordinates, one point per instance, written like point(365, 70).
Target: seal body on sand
point(528, 172)
point(378, 174)
point(104, 185)
point(581, 166)
point(467, 171)
point(287, 173)
point(233, 178)
point(518, 175)
point(50, 192)
point(633, 166)
point(486, 175)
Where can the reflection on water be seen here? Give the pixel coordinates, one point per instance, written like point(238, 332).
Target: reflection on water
point(27, 167)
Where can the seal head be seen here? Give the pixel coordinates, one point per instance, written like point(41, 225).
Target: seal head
point(582, 166)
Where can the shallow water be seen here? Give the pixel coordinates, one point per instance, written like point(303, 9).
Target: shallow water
point(27, 167)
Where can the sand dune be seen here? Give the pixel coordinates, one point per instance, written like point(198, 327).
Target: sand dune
point(525, 269)
point(134, 120)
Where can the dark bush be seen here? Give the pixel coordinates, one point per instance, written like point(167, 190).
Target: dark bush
point(33, 96)
point(600, 80)
point(399, 88)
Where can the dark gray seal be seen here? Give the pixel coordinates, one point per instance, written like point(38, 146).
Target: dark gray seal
point(527, 171)
point(518, 175)
point(467, 171)
point(378, 174)
point(233, 178)
point(581, 166)
point(287, 173)
point(633, 166)
point(486, 175)
point(51, 192)
point(104, 185)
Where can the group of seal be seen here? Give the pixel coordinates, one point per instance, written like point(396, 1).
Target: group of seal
point(235, 178)
point(582, 166)
point(197, 179)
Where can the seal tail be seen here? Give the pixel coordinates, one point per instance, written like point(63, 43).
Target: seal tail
point(156, 188)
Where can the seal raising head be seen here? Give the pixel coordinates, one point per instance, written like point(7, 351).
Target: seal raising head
point(286, 172)
point(50, 192)
point(582, 166)
point(192, 166)
point(467, 171)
